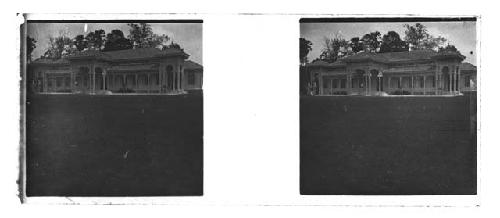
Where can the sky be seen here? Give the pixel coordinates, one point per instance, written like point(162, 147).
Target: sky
point(460, 34)
point(187, 35)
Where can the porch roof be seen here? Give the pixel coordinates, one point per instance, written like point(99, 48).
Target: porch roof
point(417, 69)
point(129, 54)
point(146, 67)
point(191, 65)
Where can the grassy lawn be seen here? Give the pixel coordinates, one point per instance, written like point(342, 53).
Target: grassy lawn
point(81, 145)
point(391, 145)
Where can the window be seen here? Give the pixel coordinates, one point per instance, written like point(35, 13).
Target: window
point(432, 83)
point(58, 82)
point(157, 78)
point(420, 82)
point(191, 78)
point(334, 83)
point(67, 81)
point(325, 83)
point(467, 81)
point(343, 83)
point(49, 82)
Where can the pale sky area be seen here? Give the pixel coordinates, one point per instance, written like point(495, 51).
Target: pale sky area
point(460, 34)
point(187, 35)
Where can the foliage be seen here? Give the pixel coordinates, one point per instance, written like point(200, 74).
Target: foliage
point(59, 47)
point(305, 47)
point(30, 46)
point(448, 48)
point(334, 49)
point(304, 80)
point(356, 45)
point(95, 40)
point(416, 37)
point(173, 45)
point(419, 38)
point(391, 42)
point(371, 41)
point(80, 42)
point(142, 36)
point(116, 41)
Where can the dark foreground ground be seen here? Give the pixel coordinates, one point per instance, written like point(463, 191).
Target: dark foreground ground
point(81, 145)
point(377, 145)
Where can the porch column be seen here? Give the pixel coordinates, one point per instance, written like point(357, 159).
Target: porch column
point(424, 86)
point(348, 83)
point(112, 82)
point(369, 83)
point(320, 81)
point(136, 81)
point(412, 86)
point(45, 85)
point(92, 70)
point(104, 85)
point(436, 84)
point(160, 82)
point(449, 81)
point(72, 80)
point(149, 82)
point(458, 79)
point(179, 86)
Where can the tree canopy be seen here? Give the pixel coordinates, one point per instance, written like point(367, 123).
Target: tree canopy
point(419, 38)
point(140, 36)
point(391, 42)
point(334, 49)
point(30, 46)
point(58, 47)
point(116, 41)
point(416, 37)
point(371, 41)
point(305, 48)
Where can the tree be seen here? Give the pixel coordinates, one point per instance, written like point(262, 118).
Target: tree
point(391, 42)
point(448, 48)
point(59, 47)
point(80, 42)
point(305, 47)
point(334, 49)
point(30, 46)
point(356, 45)
point(96, 39)
point(418, 37)
point(116, 41)
point(173, 45)
point(371, 41)
point(142, 36)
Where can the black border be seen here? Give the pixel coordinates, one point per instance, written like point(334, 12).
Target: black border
point(386, 19)
point(114, 21)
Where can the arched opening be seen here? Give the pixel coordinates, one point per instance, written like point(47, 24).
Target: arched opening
point(118, 81)
point(376, 82)
point(82, 80)
point(358, 82)
point(446, 78)
point(170, 77)
point(142, 81)
point(99, 80)
point(130, 81)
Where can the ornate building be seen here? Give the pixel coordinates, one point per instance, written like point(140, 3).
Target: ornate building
point(142, 70)
point(418, 72)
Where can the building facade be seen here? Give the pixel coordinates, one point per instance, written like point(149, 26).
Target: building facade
point(142, 70)
point(418, 72)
